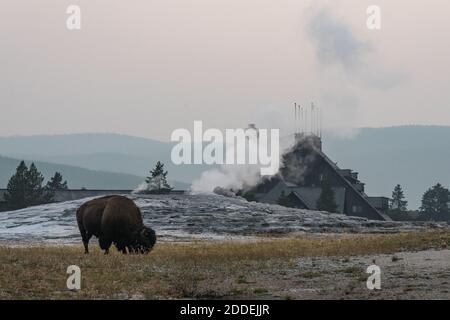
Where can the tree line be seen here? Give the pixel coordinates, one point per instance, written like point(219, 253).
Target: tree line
point(25, 188)
point(434, 207)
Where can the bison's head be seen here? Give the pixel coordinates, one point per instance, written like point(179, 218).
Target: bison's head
point(145, 240)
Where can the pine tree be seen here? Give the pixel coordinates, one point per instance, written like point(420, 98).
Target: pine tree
point(398, 206)
point(16, 191)
point(435, 204)
point(397, 201)
point(37, 194)
point(56, 183)
point(157, 181)
point(25, 188)
point(326, 201)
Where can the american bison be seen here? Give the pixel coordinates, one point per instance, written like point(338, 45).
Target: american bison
point(115, 220)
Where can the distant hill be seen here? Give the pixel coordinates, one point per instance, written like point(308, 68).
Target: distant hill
point(78, 177)
point(415, 156)
point(106, 152)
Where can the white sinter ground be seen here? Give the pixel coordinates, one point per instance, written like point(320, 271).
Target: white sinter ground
point(203, 216)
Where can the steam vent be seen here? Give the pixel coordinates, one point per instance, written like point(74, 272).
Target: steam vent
point(303, 171)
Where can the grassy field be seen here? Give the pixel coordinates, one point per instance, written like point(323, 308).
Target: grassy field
point(265, 268)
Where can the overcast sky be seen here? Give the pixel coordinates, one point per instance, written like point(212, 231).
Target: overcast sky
point(147, 67)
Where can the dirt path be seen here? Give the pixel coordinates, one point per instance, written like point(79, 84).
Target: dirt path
point(406, 275)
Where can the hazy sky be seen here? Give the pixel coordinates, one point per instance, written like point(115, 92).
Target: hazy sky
point(147, 67)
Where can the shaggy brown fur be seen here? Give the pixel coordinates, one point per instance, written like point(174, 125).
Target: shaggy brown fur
point(114, 219)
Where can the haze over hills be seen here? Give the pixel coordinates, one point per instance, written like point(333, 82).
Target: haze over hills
point(85, 143)
point(79, 177)
point(415, 156)
point(108, 152)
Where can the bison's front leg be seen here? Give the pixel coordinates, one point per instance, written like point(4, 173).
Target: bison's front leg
point(121, 247)
point(131, 250)
point(104, 244)
point(86, 247)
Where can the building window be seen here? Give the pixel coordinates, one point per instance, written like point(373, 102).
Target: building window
point(356, 209)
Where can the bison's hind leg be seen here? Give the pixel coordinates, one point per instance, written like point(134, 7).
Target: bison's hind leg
point(86, 239)
point(85, 236)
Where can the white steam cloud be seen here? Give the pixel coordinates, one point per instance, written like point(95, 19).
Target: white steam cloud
point(337, 45)
point(235, 177)
point(347, 64)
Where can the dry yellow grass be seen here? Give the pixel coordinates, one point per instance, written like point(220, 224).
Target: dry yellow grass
point(180, 270)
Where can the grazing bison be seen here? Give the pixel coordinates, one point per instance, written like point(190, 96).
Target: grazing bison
point(115, 219)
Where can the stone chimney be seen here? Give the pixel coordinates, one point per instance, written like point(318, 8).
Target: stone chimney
point(312, 139)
